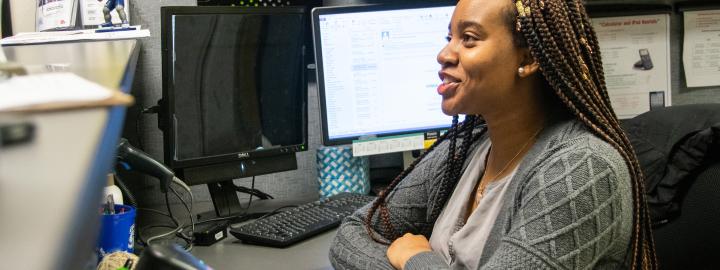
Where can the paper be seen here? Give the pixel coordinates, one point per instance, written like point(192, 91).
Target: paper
point(55, 91)
point(701, 48)
point(636, 61)
point(55, 14)
point(73, 35)
point(92, 12)
point(388, 145)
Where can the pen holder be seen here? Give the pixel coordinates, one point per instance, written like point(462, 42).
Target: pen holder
point(117, 231)
point(339, 171)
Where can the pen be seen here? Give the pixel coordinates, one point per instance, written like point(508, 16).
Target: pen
point(128, 265)
point(109, 205)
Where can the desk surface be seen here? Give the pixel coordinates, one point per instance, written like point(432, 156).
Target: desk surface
point(232, 254)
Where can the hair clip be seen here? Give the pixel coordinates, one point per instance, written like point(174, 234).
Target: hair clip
point(522, 11)
point(585, 76)
point(585, 70)
point(585, 43)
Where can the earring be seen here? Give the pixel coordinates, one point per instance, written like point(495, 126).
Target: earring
point(521, 71)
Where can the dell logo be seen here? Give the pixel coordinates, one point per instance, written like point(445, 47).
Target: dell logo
point(243, 155)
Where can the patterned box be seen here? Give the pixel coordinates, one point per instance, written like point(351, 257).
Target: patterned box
point(339, 171)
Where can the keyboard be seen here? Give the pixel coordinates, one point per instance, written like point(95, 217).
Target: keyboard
point(297, 224)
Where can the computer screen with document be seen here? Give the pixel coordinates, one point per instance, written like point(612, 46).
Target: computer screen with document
point(377, 69)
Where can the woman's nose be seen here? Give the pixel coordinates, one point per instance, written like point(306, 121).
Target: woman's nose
point(447, 56)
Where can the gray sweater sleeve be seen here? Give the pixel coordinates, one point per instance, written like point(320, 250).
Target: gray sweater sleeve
point(573, 212)
point(353, 248)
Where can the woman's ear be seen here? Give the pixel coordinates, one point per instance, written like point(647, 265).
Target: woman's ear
point(528, 64)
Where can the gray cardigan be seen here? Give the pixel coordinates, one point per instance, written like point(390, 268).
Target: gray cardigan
point(569, 206)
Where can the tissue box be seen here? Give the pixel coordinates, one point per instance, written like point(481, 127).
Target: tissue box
point(339, 171)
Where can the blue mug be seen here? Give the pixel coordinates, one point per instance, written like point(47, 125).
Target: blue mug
point(117, 231)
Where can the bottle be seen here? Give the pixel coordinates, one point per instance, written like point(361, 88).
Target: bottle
point(111, 188)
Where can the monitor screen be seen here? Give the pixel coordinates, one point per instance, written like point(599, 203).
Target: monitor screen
point(377, 69)
point(234, 83)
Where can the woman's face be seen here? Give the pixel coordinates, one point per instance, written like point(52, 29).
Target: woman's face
point(479, 65)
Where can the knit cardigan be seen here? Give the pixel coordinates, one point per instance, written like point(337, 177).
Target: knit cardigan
point(569, 206)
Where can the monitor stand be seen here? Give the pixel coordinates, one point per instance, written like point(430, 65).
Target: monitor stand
point(227, 204)
point(224, 198)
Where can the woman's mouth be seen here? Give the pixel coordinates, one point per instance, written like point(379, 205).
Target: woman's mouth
point(447, 87)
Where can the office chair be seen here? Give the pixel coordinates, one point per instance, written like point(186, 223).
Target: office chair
point(692, 240)
point(677, 151)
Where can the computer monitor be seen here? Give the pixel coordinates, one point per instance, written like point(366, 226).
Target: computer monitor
point(376, 69)
point(234, 94)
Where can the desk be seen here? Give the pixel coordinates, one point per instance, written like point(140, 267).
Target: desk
point(233, 254)
point(48, 188)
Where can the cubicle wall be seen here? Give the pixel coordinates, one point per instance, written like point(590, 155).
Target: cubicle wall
point(302, 182)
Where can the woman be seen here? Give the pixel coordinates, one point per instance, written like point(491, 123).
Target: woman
point(538, 175)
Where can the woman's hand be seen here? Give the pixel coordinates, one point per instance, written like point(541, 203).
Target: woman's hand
point(403, 248)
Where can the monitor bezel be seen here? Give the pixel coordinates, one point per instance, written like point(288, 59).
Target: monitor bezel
point(167, 110)
point(319, 69)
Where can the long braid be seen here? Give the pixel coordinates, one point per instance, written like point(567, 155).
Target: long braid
point(453, 173)
point(380, 204)
point(578, 81)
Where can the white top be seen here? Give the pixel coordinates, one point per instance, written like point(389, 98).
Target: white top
point(460, 243)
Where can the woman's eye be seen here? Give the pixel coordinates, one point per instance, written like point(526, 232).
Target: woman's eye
point(469, 38)
point(448, 38)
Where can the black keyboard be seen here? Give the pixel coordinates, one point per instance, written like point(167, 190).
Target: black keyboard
point(296, 224)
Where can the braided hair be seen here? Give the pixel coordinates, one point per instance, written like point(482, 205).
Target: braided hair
point(451, 174)
point(560, 37)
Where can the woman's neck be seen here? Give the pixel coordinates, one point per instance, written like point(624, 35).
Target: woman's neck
point(512, 133)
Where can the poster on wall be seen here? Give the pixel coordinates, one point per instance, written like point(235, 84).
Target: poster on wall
point(636, 59)
point(92, 11)
point(701, 48)
point(55, 14)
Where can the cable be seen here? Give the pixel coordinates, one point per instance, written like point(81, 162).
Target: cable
point(187, 208)
point(172, 232)
point(167, 204)
point(140, 235)
point(192, 198)
point(177, 181)
point(252, 191)
point(252, 185)
point(180, 226)
point(125, 190)
point(156, 212)
point(140, 230)
point(138, 124)
point(139, 120)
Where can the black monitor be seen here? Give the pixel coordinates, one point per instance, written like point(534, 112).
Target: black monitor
point(234, 94)
point(377, 69)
